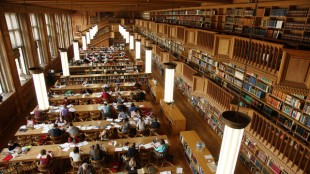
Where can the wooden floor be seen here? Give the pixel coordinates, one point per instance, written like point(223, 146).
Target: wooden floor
point(194, 122)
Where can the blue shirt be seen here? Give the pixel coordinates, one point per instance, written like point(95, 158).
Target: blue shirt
point(162, 148)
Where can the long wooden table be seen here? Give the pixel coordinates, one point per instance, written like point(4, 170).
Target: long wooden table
point(96, 107)
point(91, 86)
point(31, 155)
point(100, 124)
point(172, 169)
point(91, 96)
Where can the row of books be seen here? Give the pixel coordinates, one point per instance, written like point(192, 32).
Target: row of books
point(307, 108)
point(273, 102)
point(286, 122)
point(305, 119)
point(240, 12)
point(272, 23)
point(295, 25)
point(278, 12)
point(303, 133)
point(291, 112)
point(239, 21)
point(298, 12)
point(287, 98)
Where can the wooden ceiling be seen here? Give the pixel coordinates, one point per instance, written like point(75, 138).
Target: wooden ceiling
point(114, 5)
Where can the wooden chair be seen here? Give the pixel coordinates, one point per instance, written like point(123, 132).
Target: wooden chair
point(159, 156)
point(139, 133)
point(97, 164)
point(144, 156)
point(153, 132)
point(24, 140)
point(51, 117)
point(28, 167)
point(91, 136)
point(75, 165)
point(9, 170)
point(82, 116)
point(45, 168)
point(95, 115)
point(83, 102)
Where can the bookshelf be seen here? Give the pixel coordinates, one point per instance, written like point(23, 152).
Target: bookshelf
point(195, 158)
point(102, 68)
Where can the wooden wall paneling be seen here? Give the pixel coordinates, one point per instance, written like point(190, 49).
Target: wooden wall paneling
point(166, 30)
point(205, 41)
point(190, 37)
point(172, 32)
point(223, 47)
point(164, 57)
point(198, 85)
point(294, 73)
point(171, 58)
point(160, 29)
point(179, 68)
point(180, 34)
point(153, 28)
point(158, 50)
point(29, 94)
point(9, 111)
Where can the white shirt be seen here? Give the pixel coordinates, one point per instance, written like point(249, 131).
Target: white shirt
point(75, 156)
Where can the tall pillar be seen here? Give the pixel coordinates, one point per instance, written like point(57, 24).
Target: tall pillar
point(131, 42)
point(169, 81)
point(40, 87)
point(87, 37)
point(76, 50)
point(84, 42)
point(148, 59)
point(138, 49)
point(127, 36)
point(235, 122)
point(64, 61)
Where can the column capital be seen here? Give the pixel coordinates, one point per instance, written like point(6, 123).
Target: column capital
point(36, 70)
point(235, 120)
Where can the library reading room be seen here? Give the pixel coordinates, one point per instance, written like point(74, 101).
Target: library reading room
point(155, 86)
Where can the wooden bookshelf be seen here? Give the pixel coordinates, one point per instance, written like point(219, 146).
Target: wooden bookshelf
point(195, 158)
point(157, 91)
point(102, 68)
point(177, 122)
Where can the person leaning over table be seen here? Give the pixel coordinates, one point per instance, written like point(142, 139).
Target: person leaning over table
point(106, 111)
point(122, 115)
point(55, 131)
point(135, 113)
point(162, 148)
point(155, 124)
point(132, 107)
point(96, 153)
point(86, 169)
point(105, 95)
point(30, 122)
point(12, 145)
point(73, 130)
point(65, 102)
point(45, 157)
point(126, 126)
point(141, 124)
point(121, 107)
point(85, 82)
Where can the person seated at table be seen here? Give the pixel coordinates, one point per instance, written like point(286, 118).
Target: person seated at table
point(96, 153)
point(121, 107)
point(155, 124)
point(104, 135)
point(141, 124)
point(126, 126)
point(73, 130)
point(12, 145)
point(45, 157)
point(141, 96)
point(105, 95)
point(86, 169)
point(65, 101)
point(60, 120)
point(38, 116)
point(135, 113)
point(122, 115)
point(162, 148)
point(55, 131)
point(30, 122)
point(137, 85)
point(132, 107)
point(106, 111)
point(119, 98)
point(75, 154)
point(117, 88)
point(131, 153)
point(131, 167)
point(85, 82)
point(132, 97)
point(105, 86)
point(64, 112)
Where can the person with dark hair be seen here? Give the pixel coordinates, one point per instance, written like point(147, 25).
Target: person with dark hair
point(132, 107)
point(141, 95)
point(121, 107)
point(73, 130)
point(55, 131)
point(106, 111)
point(96, 153)
point(65, 101)
point(12, 145)
point(131, 167)
point(75, 154)
point(86, 169)
point(135, 113)
point(155, 124)
point(38, 116)
point(45, 157)
point(73, 140)
point(126, 126)
point(105, 96)
point(132, 151)
point(30, 121)
point(162, 148)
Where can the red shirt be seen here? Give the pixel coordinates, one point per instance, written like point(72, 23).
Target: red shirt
point(105, 95)
point(45, 160)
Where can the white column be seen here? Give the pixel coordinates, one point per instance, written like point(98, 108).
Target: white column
point(40, 87)
point(235, 122)
point(127, 36)
point(64, 61)
point(131, 42)
point(138, 49)
point(87, 37)
point(91, 33)
point(169, 82)
point(84, 42)
point(148, 59)
point(76, 50)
